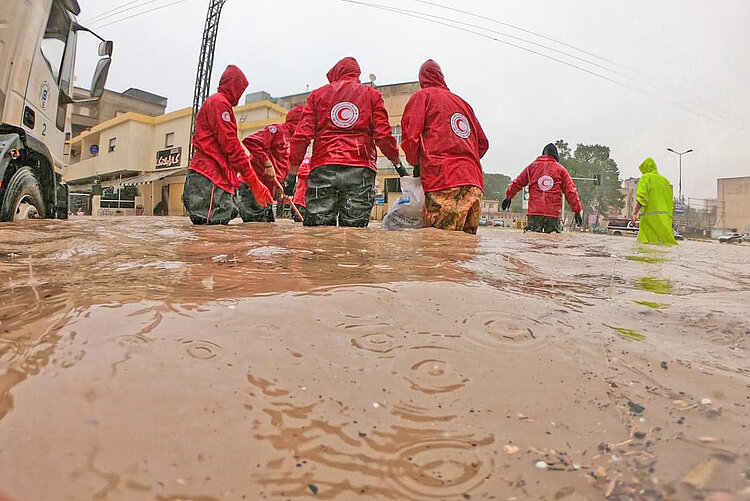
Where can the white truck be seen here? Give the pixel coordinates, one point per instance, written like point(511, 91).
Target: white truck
point(38, 41)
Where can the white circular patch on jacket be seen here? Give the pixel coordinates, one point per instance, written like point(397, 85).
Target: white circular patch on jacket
point(460, 126)
point(345, 115)
point(273, 130)
point(226, 116)
point(546, 183)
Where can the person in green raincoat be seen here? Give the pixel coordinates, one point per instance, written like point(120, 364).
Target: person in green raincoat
point(654, 198)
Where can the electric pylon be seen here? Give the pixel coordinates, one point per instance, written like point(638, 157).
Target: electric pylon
point(205, 61)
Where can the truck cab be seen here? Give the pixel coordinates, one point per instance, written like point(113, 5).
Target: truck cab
point(38, 42)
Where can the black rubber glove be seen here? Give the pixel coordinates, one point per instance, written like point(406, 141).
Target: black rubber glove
point(401, 171)
point(416, 171)
point(506, 203)
point(579, 219)
point(290, 183)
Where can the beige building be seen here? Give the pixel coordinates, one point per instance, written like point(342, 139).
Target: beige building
point(150, 153)
point(629, 190)
point(734, 204)
point(491, 208)
point(85, 116)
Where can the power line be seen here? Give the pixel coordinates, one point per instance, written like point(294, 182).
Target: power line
point(515, 27)
point(501, 33)
point(98, 27)
point(664, 87)
point(709, 114)
point(89, 20)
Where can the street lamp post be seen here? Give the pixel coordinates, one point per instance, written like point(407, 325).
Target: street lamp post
point(680, 155)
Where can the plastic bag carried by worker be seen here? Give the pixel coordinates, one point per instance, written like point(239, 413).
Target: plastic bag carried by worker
point(408, 211)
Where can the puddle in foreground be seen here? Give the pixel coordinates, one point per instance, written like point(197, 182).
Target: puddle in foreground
point(148, 359)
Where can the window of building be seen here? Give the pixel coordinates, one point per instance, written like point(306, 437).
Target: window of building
point(397, 133)
point(112, 144)
point(169, 140)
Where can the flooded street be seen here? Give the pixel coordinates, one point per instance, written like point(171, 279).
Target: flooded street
point(147, 359)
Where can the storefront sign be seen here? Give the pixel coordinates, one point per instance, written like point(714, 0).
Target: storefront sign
point(169, 158)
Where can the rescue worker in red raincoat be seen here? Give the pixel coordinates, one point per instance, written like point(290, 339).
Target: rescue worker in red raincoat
point(346, 120)
point(444, 141)
point(212, 178)
point(547, 181)
point(269, 154)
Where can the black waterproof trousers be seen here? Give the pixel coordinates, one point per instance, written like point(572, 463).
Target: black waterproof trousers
point(249, 209)
point(205, 202)
point(340, 194)
point(543, 224)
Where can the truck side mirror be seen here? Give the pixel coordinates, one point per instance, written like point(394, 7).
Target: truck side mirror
point(106, 48)
point(100, 77)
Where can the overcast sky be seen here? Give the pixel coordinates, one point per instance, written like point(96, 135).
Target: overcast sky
point(684, 54)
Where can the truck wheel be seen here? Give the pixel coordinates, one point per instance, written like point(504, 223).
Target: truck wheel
point(23, 197)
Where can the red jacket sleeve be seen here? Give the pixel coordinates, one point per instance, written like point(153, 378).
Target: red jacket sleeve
point(258, 145)
point(412, 125)
point(518, 183)
point(571, 192)
point(304, 133)
point(382, 131)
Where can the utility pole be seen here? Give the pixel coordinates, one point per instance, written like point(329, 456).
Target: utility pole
point(205, 61)
point(680, 155)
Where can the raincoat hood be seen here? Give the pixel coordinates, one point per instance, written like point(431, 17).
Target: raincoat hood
point(648, 166)
point(233, 84)
point(346, 68)
point(431, 75)
point(551, 151)
point(295, 115)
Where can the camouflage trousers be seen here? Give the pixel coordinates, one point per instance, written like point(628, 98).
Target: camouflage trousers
point(340, 194)
point(454, 209)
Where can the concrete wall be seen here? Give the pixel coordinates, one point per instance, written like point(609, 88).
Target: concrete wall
point(734, 204)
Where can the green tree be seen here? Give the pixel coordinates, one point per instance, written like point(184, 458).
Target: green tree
point(495, 186)
point(586, 162)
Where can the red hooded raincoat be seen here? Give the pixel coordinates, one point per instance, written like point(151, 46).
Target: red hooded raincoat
point(442, 135)
point(219, 155)
point(547, 181)
point(346, 119)
point(272, 145)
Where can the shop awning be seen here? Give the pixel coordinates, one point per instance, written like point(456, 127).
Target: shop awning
point(148, 178)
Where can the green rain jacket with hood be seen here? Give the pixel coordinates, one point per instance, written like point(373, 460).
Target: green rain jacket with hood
point(656, 198)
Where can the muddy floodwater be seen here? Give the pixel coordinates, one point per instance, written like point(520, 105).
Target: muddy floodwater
point(147, 359)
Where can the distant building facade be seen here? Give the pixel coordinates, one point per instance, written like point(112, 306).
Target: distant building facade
point(629, 190)
point(490, 208)
point(734, 204)
point(84, 116)
point(149, 153)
